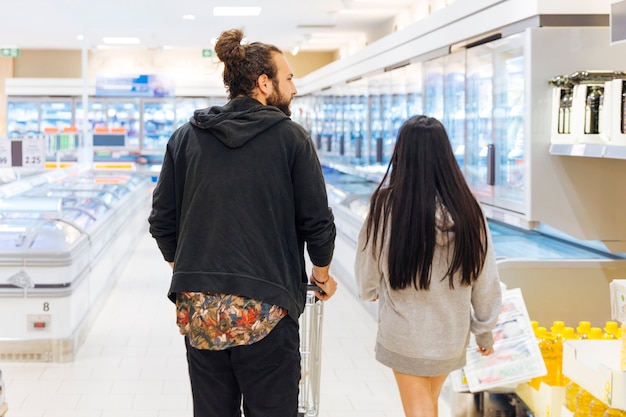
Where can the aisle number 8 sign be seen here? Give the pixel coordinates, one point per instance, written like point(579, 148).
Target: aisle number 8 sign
point(26, 153)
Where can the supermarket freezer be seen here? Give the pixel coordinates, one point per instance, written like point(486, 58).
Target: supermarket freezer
point(61, 245)
point(560, 279)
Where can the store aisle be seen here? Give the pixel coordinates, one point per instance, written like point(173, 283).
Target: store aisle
point(133, 361)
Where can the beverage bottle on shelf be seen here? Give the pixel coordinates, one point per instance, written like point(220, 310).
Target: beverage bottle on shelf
point(557, 330)
point(595, 333)
point(546, 346)
point(583, 329)
point(582, 403)
point(614, 412)
point(622, 361)
point(597, 408)
point(611, 330)
point(536, 382)
point(568, 334)
point(571, 393)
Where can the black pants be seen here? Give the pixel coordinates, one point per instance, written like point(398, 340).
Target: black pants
point(264, 374)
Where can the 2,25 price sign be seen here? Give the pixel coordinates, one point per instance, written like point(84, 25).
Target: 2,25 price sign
point(33, 153)
point(26, 153)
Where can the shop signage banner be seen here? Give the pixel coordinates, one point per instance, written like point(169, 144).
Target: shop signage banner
point(134, 86)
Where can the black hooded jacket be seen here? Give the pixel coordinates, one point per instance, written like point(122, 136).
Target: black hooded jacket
point(240, 192)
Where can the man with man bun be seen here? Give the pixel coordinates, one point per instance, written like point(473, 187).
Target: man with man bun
point(239, 195)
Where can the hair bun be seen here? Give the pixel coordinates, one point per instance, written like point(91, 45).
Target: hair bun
point(229, 48)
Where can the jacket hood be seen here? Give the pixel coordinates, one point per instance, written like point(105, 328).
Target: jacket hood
point(239, 121)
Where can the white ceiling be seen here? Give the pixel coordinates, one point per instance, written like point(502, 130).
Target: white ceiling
point(313, 25)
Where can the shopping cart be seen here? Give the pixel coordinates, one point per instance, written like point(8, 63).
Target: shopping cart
point(3, 404)
point(310, 354)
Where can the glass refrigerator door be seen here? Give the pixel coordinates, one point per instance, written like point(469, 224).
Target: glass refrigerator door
point(375, 147)
point(479, 108)
point(158, 123)
point(328, 127)
point(124, 114)
point(454, 104)
point(415, 104)
point(508, 119)
point(185, 108)
point(433, 88)
point(55, 114)
point(359, 128)
point(22, 117)
point(96, 117)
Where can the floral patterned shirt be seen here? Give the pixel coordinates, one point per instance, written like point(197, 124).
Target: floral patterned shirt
point(221, 321)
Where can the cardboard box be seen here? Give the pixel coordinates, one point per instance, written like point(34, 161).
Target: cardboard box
point(547, 401)
point(617, 289)
point(594, 365)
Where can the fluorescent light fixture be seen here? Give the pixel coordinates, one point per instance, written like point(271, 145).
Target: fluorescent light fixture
point(189, 17)
point(236, 11)
point(121, 41)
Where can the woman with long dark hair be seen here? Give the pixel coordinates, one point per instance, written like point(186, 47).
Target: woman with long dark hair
point(425, 253)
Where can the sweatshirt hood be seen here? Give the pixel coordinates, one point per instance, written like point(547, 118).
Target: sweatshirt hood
point(237, 122)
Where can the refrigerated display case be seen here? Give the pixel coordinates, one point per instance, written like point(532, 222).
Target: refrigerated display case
point(22, 117)
point(185, 108)
point(479, 121)
point(96, 115)
point(124, 115)
point(55, 114)
point(454, 103)
point(159, 121)
point(508, 123)
point(61, 243)
point(433, 88)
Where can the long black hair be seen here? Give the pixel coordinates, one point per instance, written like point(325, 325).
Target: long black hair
point(423, 178)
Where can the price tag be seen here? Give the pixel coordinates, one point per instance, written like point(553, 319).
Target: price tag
point(5, 153)
point(33, 153)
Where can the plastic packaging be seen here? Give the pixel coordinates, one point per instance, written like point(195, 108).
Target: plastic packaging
point(571, 393)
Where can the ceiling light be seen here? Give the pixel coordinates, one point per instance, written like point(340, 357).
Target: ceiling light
point(121, 41)
point(236, 11)
point(80, 37)
point(189, 17)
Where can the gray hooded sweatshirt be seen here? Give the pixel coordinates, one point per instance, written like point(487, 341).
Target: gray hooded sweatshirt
point(427, 332)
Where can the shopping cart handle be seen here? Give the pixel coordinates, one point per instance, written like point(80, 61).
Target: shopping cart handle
point(313, 287)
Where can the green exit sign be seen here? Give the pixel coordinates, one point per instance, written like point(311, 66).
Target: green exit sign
point(208, 53)
point(9, 52)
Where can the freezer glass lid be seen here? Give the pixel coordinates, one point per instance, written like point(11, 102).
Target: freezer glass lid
point(37, 235)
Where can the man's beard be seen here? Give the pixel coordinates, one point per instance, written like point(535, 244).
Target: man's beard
point(277, 100)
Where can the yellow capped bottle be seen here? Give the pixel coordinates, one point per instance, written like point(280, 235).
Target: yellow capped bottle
point(595, 333)
point(611, 330)
point(583, 329)
point(582, 403)
point(557, 330)
point(614, 412)
point(597, 408)
point(571, 393)
point(546, 346)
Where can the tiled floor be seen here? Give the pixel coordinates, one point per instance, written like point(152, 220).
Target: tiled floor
point(133, 361)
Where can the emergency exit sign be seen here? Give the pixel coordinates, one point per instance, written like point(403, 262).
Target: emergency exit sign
point(9, 52)
point(208, 53)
